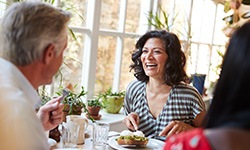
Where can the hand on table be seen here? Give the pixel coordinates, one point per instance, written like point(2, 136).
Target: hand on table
point(51, 114)
point(175, 127)
point(131, 121)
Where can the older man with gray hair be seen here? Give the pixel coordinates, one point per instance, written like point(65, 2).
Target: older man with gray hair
point(33, 39)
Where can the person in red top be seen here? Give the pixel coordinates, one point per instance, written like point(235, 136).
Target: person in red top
point(192, 140)
point(227, 123)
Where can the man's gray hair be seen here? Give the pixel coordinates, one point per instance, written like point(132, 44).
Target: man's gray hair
point(28, 28)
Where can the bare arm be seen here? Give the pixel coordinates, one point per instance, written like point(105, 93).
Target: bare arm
point(175, 127)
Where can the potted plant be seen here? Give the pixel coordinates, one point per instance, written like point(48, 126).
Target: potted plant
point(94, 106)
point(112, 101)
point(73, 103)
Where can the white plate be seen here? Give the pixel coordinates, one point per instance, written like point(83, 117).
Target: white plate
point(51, 142)
point(153, 144)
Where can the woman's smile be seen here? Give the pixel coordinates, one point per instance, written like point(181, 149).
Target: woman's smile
point(154, 57)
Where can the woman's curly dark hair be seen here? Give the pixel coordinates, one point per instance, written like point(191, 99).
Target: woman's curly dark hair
point(174, 68)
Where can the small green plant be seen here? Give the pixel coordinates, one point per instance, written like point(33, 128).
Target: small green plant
point(110, 93)
point(95, 102)
point(218, 67)
point(94, 106)
point(74, 100)
point(154, 19)
point(112, 101)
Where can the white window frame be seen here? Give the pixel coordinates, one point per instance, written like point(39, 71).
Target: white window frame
point(92, 32)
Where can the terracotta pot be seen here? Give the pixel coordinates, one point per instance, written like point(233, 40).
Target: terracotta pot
point(93, 111)
point(77, 110)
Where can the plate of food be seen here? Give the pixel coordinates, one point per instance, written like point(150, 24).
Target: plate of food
point(133, 141)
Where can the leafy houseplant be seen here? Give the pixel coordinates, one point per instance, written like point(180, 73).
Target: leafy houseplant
point(94, 106)
point(73, 103)
point(112, 101)
point(154, 19)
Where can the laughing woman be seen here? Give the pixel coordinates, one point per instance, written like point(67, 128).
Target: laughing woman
point(160, 103)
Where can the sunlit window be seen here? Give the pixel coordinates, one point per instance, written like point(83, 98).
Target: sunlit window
point(105, 32)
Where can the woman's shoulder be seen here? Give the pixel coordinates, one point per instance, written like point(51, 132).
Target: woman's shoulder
point(135, 84)
point(186, 89)
point(185, 86)
point(193, 139)
point(135, 88)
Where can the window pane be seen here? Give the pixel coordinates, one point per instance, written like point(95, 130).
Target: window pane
point(178, 14)
point(191, 61)
point(197, 19)
point(198, 59)
point(126, 75)
point(219, 36)
point(71, 69)
point(207, 23)
point(78, 9)
point(203, 60)
point(109, 14)
point(132, 16)
point(105, 63)
point(216, 61)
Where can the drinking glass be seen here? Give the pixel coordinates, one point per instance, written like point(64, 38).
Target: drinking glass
point(100, 135)
point(70, 133)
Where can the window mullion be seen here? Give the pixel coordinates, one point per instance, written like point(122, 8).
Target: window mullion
point(146, 6)
point(119, 46)
point(91, 46)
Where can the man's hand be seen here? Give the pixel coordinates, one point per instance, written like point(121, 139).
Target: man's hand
point(175, 127)
point(51, 114)
point(131, 121)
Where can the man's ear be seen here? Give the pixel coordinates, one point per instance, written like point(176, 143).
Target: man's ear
point(49, 53)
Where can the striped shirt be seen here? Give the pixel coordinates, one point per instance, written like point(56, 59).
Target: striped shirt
point(184, 104)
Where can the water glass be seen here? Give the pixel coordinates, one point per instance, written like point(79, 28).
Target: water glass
point(100, 135)
point(70, 133)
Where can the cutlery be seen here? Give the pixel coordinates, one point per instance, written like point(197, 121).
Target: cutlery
point(65, 93)
point(113, 133)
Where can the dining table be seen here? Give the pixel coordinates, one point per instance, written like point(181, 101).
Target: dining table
point(116, 126)
point(88, 144)
point(111, 144)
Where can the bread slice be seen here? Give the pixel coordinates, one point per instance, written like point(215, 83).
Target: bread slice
point(132, 140)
